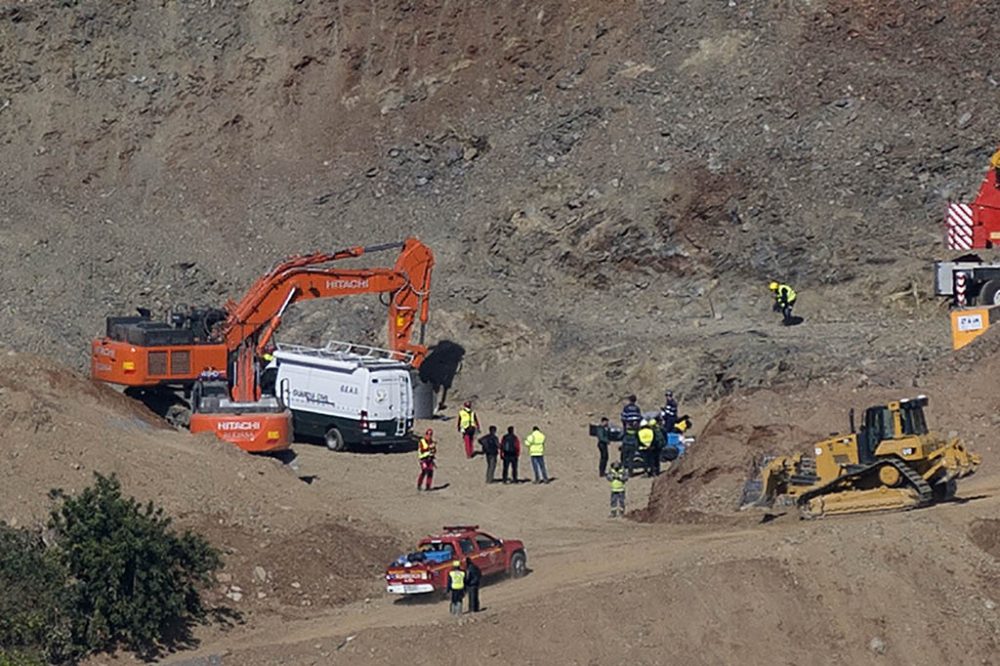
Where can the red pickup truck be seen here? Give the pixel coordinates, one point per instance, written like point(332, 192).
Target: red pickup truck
point(426, 569)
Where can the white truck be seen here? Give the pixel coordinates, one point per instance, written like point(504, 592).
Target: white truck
point(349, 395)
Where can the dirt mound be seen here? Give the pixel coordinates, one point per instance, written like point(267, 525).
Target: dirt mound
point(62, 428)
point(985, 533)
point(705, 484)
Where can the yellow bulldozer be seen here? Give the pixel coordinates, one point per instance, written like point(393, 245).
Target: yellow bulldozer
point(891, 463)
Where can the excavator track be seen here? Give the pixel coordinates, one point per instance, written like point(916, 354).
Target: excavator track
point(842, 496)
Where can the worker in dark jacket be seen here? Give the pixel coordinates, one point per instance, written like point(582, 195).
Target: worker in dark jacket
point(631, 414)
point(491, 447)
point(784, 300)
point(473, 575)
point(456, 585)
point(510, 451)
point(630, 446)
point(659, 443)
point(603, 439)
point(668, 413)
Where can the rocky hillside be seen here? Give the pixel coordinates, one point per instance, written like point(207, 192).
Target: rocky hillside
point(608, 187)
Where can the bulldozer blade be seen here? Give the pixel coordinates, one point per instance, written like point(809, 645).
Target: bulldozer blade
point(753, 489)
point(753, 494)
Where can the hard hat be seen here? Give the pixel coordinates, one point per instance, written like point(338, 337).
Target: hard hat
point(773, 286)
point(467, 404)
point(643, 422)
point(456, 563)
point(429, 433)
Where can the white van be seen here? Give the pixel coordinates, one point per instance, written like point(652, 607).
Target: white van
point(349, 395)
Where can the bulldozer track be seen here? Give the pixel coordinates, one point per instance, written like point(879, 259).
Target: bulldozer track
point(925, 494)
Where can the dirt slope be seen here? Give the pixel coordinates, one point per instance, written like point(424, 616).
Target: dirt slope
point(706, 484)
point(60, 429)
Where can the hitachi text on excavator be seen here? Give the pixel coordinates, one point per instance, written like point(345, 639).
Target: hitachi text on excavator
point(215, 354)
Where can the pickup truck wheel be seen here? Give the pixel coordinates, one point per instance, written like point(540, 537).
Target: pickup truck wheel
point(334, 440)
point(518, 565)
point(990, 293)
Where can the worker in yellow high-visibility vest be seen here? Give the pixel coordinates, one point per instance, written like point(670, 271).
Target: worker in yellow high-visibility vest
point(647, 436)
point(456, 585)
point(468, 426)
point(426, 452)
point(618, 477)
point(536, 449)
point(784, 301)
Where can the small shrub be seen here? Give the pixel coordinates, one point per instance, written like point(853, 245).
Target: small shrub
point(133, 580)
point(33, 623)
point(14, 658)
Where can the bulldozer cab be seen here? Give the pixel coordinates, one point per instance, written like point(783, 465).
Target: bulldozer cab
point(895, 421)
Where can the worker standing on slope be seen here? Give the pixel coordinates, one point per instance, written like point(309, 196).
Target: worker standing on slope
point(491, 447)
point(473, 575)
point(668, 413)
point(784, 300)
point(603, 439)
point(426, 451)
point(617, 476)
point(536, 449)
point(510, 451)
point(468, 426)
point(646, 438)
point(456, 585)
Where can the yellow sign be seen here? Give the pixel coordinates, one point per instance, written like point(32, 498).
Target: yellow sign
point(968, 324)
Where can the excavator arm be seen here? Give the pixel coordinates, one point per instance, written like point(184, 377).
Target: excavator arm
point(258, 315)
point(252, 322)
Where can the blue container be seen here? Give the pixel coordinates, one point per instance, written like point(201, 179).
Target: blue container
point(438, 556)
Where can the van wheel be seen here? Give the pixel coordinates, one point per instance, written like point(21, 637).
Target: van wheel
point(334, 440)
point(518, 565)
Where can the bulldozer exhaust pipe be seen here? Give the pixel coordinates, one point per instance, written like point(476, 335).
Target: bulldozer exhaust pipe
point(850, 416)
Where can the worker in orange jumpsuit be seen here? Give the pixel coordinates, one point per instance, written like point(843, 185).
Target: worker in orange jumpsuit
point(426, 451)
point(468, 427)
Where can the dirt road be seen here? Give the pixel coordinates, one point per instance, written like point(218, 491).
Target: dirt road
point(579, 559)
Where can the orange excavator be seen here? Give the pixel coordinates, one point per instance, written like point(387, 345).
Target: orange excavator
point(216, 354)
